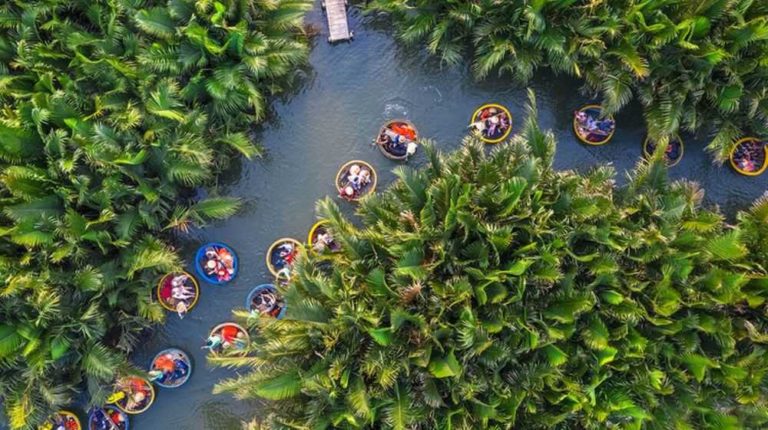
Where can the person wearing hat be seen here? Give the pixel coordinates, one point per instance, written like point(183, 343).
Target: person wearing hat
point(354, 176)
point(213, 343)
point(365, 177)
point(210, 267)
point(347, 192)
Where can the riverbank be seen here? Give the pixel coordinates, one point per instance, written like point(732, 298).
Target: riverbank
point(352, 88)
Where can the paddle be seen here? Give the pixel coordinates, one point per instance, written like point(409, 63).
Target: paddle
point(112, 425)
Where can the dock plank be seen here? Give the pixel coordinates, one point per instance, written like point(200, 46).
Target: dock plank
point(336, 14)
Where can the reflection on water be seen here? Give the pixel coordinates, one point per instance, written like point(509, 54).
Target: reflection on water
point(219, 415)
point(350, 91)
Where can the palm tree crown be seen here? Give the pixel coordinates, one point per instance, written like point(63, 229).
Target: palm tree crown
point(112, 111)
point(492, 291)
point(694, 64)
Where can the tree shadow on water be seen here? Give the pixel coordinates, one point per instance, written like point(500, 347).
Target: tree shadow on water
point(219, 415)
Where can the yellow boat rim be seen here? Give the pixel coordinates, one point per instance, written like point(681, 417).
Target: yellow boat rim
point(583, 139)
point(371, 188)
point(734, 163)
point(151, 388)
point(476, 117)
point(65, 414)
point(313, 231)
point(164, 303)
point(279, 242)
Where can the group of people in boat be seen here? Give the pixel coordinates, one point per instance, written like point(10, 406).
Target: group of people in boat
point(179, 291)
point(357, 178)
point(323, 241)
point(266, 301)
point(219, 263)
point(107, 418)
point(61, 421)
point(591, 127)
point(749, 156)
point(169, 368)
point(132, 393)
point(492, 122)
point(284, 256)
point(225, 338)
point(398, 139)
point(672, 154)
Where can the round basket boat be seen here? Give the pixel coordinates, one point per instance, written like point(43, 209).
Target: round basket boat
point(108, 417)
point(344, 184)
point(172, 366)
point(493, 122)
point(131, 386)
point(232, 336)
point(282, 254)
point(62, 419)
point(397, 139)
point(225, 263)
point(265, 300)
point(599, 136)
point(749, 156)
point(165, 292)
point(320, 239)
point(674, 154)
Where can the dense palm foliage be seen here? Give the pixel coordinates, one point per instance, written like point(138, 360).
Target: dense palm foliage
point(693, 64)
point(112, 110)
point(491, 291)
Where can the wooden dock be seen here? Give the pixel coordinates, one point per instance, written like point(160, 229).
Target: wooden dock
point(336, 13)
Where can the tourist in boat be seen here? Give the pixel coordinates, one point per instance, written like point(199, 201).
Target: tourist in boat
point(365, 178)
point(227, 338)
point(133, 392)
point(404, 130)
point(347, 193)
point(492, 123)
point(213, 343)
point(593, 129)
point(746, 164)
point(358, 179)
point(180, 290)
point(287, 253)
point(181, 309)
point(323, 241)
point(396, 144)
point(219, 264)
point(672, 154)
point(671, 151)
point(107, 419)
point(168, 367)
point(266, 302)
point(61, 421)
point(284, 273)
point(355, 179)
point(398, 139)
point(750, 156)
point(354, 176)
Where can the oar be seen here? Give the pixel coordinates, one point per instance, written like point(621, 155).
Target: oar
point(112, 425)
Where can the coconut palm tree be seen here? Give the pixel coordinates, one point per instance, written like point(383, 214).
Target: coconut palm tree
point(113, 111)
point(692, 64)
point(492, 291)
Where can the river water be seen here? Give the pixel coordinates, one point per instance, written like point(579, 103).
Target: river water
point(351, 89)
